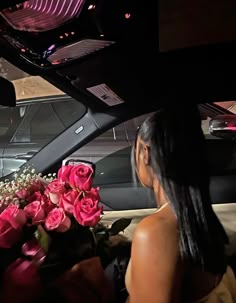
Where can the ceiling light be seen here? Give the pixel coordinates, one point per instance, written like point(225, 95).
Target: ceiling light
point(78, 50)
point(42, 15)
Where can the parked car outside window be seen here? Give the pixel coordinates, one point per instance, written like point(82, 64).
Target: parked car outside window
point(27, 128)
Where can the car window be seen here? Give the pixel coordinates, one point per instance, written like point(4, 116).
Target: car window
point(27, 87)
point(110, 142)
point(39, 124)
point(43, 111)
point(10, 119)
point(45, 124)
point(44, 121)
point(111, 152)
point(27, 128)
point(68, 111)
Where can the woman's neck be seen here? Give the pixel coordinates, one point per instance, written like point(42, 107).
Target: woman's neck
point(160, 196)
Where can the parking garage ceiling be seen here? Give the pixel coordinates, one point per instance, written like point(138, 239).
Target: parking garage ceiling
point(27, 86)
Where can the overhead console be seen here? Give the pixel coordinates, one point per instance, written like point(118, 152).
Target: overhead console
point(52, 32)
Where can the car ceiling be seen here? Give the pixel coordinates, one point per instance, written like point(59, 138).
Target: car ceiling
point(181, 60)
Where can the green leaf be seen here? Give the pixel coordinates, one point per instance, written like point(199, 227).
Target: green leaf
point(119, 225)
point(43, 238)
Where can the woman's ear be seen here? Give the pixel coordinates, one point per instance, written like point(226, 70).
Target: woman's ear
point(146, 154)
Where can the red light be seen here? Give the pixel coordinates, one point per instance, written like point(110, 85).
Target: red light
point(66, 34)
point(61, 37)
point(23, 50)
point(72, 33)
point(55, 62)
point(127, 16)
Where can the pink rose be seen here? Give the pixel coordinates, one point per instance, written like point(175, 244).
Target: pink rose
point(81, 177)
point(94, 193)
point(47, 205)
point(14, 215)
point(22, 194)
point(86, 211)
point(54, 190)
point(12, 220)
point(35, 212)
point(37, 196)
point(64, 173)
point(67, 201)
point(57, 220)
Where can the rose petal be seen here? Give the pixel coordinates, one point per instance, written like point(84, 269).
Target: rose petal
point(64, 226)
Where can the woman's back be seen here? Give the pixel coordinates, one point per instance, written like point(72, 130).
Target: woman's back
point(192, 284)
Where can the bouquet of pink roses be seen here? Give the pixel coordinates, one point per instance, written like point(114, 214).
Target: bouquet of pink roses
point(47, 239)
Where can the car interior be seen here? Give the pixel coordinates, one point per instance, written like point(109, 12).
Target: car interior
point(114, 59)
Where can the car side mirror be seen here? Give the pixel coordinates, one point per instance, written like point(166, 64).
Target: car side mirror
point(76, 161)
point(7, 93)
point(223, 126)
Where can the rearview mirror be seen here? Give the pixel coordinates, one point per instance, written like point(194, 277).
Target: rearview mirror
point(7, 93)
point(223, 126)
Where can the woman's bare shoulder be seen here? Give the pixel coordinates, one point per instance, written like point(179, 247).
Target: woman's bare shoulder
point(159, 224)
point(155, 253)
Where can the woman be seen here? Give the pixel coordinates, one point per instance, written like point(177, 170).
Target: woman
point(178, 252)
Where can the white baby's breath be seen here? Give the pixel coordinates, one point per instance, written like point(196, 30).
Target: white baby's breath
point(22, 181)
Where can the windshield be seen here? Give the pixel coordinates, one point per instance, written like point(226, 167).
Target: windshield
point(229, 105)
point(41, 114)
point(27, 86)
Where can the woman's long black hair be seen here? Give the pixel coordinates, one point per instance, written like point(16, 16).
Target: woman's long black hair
point(179, 160)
